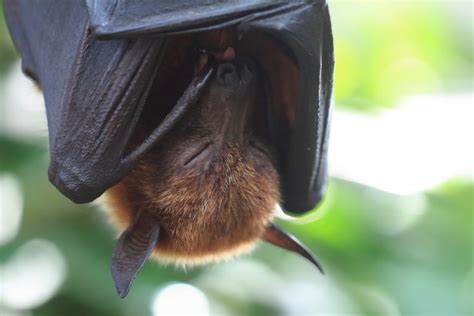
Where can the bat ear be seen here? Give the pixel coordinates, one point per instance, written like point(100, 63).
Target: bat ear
point(132, 249)
point(282, 239)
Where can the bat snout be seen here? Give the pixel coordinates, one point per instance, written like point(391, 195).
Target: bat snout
point(238, 74)
point(227, 73)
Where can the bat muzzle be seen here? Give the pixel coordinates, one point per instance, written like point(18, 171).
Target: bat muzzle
point(238, 78)
point(231, 99)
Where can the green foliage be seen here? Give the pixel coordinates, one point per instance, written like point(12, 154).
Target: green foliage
point(7, 52)
point(388, 50)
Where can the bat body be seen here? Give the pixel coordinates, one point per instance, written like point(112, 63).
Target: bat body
point(210, 170)
point(195, 118)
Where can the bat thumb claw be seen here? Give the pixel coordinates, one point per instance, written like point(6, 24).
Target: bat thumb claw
point(278, 237)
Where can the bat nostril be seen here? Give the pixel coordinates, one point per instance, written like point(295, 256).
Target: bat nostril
point(226, 73)
point(241, 71)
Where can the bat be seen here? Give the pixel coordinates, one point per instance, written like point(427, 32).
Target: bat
point(193, 119)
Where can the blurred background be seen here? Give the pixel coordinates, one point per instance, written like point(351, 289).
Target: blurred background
point(395, 231)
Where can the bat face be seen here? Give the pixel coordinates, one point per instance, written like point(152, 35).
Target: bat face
point(211, 185)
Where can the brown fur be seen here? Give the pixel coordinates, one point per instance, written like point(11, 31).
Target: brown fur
point(203, 215)
point(213, 208)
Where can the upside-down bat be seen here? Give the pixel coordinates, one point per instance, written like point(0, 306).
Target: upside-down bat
point(194, 117)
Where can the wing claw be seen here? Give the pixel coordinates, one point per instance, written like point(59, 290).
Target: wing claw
point(278, 237)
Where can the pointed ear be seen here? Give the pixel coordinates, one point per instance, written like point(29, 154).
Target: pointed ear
point(132, 249)
point(275, 235)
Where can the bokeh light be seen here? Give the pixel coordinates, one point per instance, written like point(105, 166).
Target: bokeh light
point(11, 207)
point(180, 299)
point(25, 117)
point(32, 275)
point(411, 149)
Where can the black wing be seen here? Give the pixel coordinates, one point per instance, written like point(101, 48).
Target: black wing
point(95, 61)
point(94, 93)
